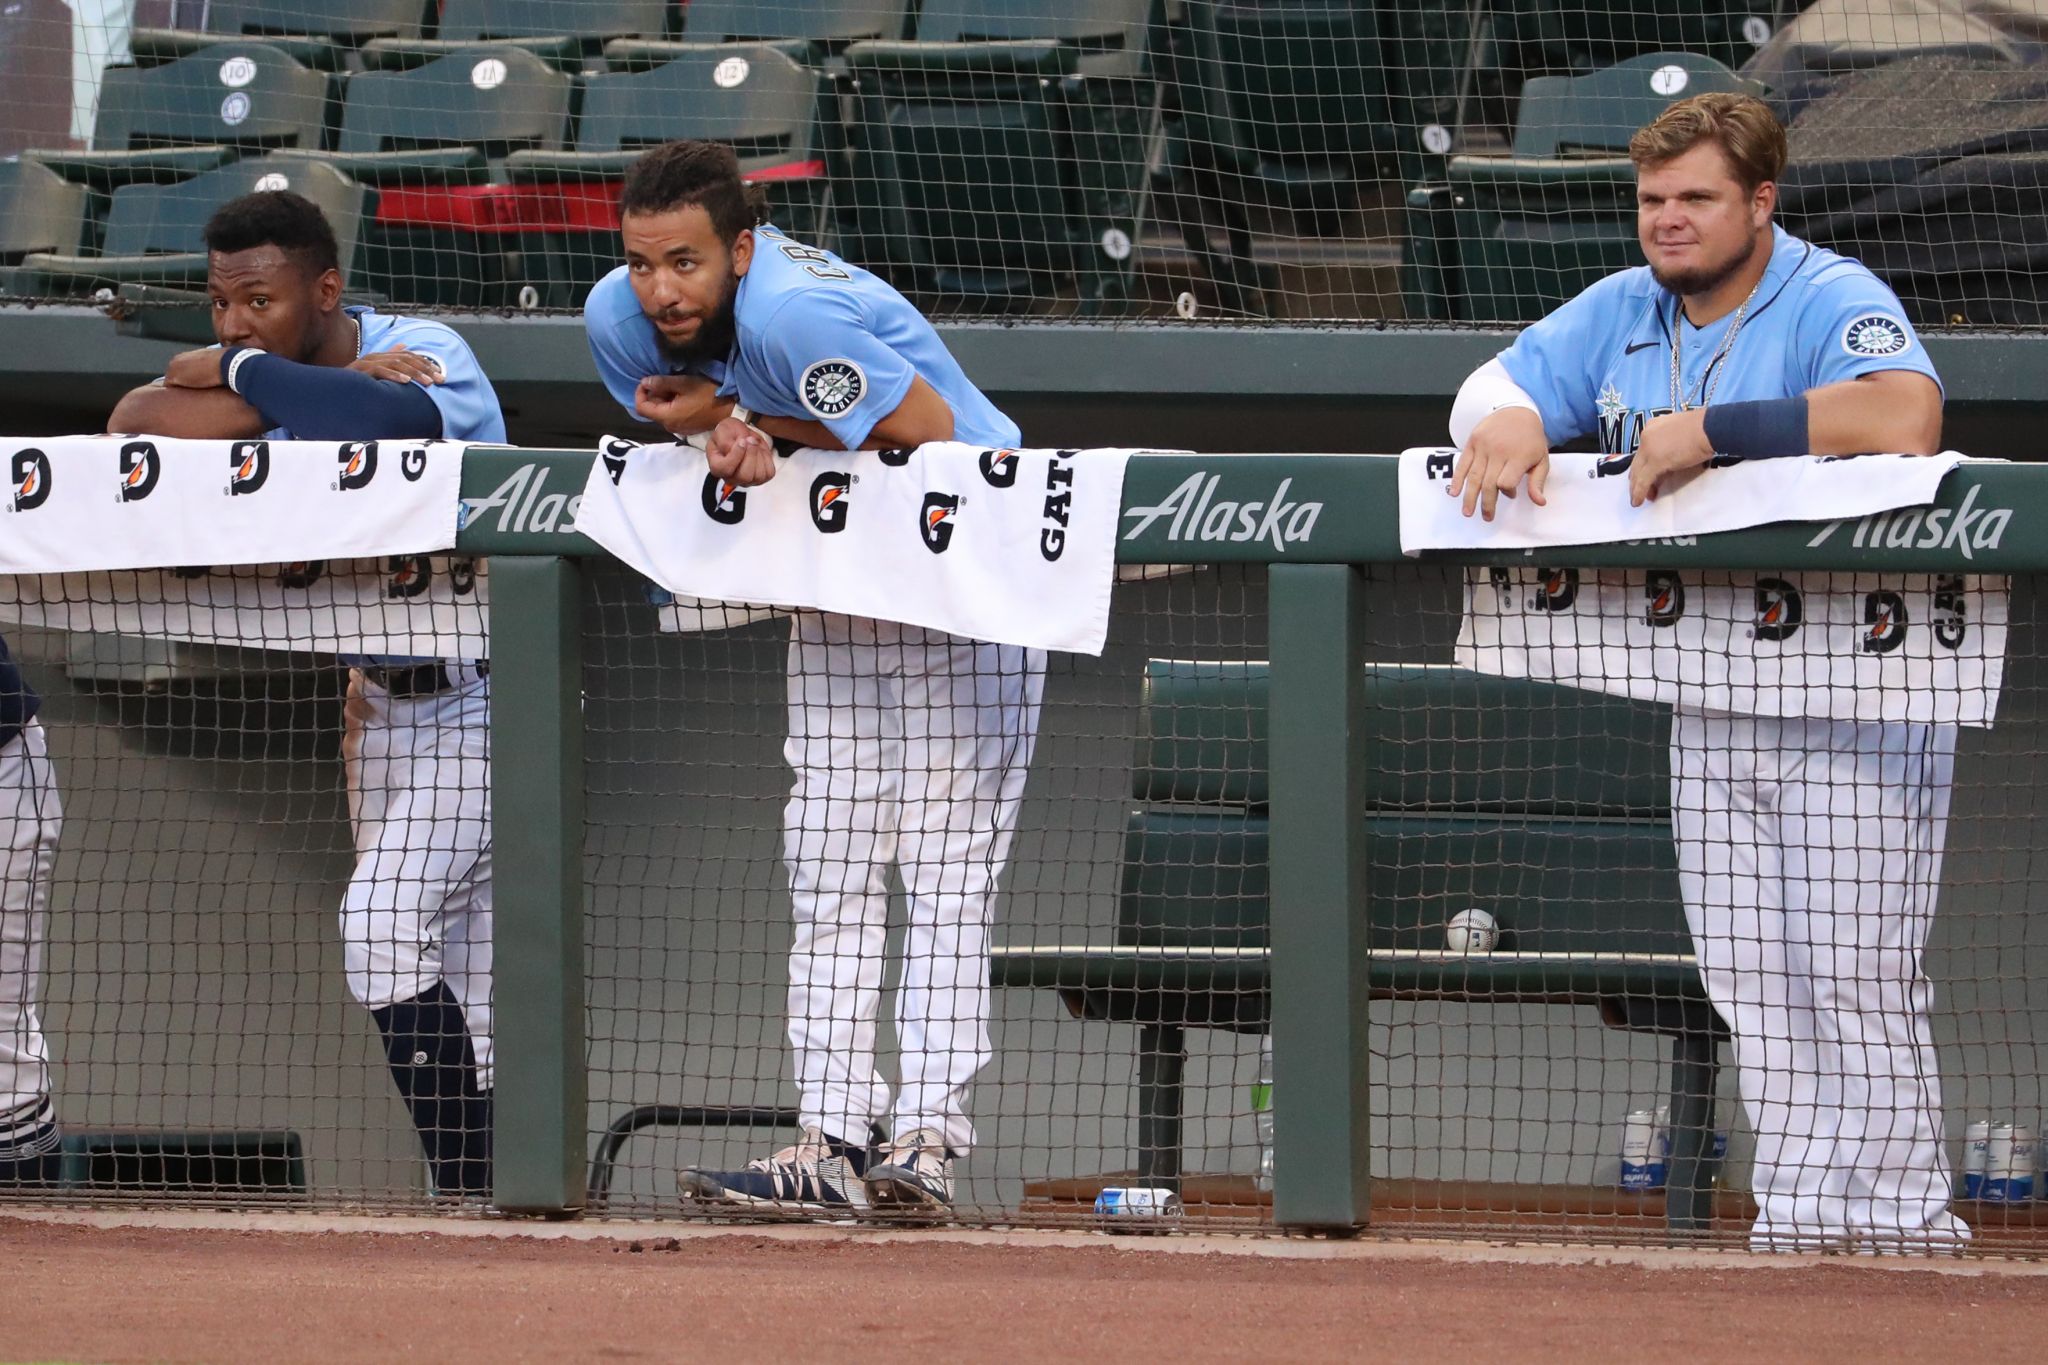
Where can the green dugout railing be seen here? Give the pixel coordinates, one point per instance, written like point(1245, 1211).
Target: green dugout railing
point(1317, 520)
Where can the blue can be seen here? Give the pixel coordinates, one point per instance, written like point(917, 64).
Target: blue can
point(1138, 1208)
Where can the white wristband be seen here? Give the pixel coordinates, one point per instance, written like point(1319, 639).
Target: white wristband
point(1486, 391)
point(741, 414)
point(235, 365)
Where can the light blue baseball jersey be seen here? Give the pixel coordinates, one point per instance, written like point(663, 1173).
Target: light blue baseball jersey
point(1601, 364)
point(468, 403)
point(818, 338)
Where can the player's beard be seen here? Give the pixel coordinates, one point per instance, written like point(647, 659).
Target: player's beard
point(1706, 279)
point(715, 335)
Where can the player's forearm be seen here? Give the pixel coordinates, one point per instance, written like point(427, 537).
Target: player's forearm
point(1896, 413)
point(322, 403)
point(193, 414)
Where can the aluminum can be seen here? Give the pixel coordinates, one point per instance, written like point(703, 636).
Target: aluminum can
point(2009, 1162)
point(1642, 1160)
point(1139, 1208)
point(1976, 1153)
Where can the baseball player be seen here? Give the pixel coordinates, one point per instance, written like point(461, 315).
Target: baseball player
point(910, 746)
point(293, 363)
point(30, 817)
point(1809, 850)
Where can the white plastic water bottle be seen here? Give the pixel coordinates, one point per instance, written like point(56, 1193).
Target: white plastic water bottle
point(1262, 1112)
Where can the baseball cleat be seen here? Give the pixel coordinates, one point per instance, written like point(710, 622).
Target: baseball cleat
point(815, 1175)
point(915, 1175)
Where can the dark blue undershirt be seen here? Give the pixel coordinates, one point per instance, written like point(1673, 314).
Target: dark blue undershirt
point(326, 403)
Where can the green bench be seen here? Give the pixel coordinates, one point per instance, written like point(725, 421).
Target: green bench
point(1547, 806)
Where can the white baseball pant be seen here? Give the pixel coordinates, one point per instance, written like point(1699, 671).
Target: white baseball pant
point(1809, 857)
point(911, 748)
point(418, 908)
point(31, 815)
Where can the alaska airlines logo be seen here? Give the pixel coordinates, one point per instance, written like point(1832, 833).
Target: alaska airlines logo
point(523, 505)
point(1964, 530)
point(1198, 516)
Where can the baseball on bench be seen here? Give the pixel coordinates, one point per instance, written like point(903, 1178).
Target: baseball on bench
point(1471, 931)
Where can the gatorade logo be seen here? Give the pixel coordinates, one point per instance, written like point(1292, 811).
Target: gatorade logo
point(1884, 613)
point(1779, 610)
point(462, 576)
point(935, 521)
point(1439, 464)
point(1664, 597)
point(251, 462)
point(1556, 590)
point(615, 452)
point(358, 464)
point(411, 575)
point(725, 502)
point(1951, 612)
point(301, 573)
point(140, 469)
point(31, 475)
point(412, 463)
point(896, 458)
point(829, 500)
point(999, 468)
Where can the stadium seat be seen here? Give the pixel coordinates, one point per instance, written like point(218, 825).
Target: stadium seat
point(1545, 805)
point(1572, 37)
point(992, 170)
point(162, 123)
point(755, 97)
point(156, 233)
point(1110, 37)
point(1509, 238)
point(318, 34)
point(39, 211)
point(561, 34)
point(432, 140)
point(827, 24)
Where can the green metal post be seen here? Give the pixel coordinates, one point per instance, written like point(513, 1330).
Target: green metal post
point(1322, 1152)
point(537, 872)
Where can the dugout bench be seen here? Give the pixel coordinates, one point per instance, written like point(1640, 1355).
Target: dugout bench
point(1547, 806)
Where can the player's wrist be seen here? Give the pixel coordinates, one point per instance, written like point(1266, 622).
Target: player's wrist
point(1766, 429)
point(232, 359)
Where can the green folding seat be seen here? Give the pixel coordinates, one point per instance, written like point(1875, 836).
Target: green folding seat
point(808, 29)
point(320, 33)
point(755, 97)
point(1286, 101)
point(971, 176)
point(433, 139)
point(1538, 37)
point(1532, 229)
point(39, 211)
point(1110, 37)
point(163, 123)
point(156, 233)
point(560, 33)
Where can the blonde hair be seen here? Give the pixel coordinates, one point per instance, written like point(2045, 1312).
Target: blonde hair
point(1745, 129)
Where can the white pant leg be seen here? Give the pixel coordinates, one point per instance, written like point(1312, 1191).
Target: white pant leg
point(417, 910)
point(1726, 827)
point(31, 816)
point(839, 838)
point(970, 716)
point(1865, 818)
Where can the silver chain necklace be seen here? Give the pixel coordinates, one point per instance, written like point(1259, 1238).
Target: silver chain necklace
point(1712, 377)
point(359, 334)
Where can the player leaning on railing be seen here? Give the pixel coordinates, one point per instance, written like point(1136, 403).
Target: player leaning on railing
point(293, 363)
point(910, 746)
point(1809, 849)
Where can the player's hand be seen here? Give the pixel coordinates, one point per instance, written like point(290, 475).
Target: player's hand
point(193, 370)
point(401, 366)
point(741, 453)
point(1672, 445)
point(1504, 449)
point(681, 404)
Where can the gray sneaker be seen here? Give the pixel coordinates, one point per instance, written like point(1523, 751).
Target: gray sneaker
point(914, 1174)
point(816, 1175)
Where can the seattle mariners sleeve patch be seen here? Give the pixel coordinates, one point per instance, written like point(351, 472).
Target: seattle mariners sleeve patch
point(830, 388)
point(1875, 336)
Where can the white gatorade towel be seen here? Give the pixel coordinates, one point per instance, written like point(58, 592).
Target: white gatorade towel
point(1011, 546)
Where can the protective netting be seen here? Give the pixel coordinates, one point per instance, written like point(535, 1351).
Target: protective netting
point(201, 994)
point(1296, 159)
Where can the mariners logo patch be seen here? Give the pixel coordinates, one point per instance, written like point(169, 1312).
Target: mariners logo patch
point(830, 388)
point(1876, 335)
